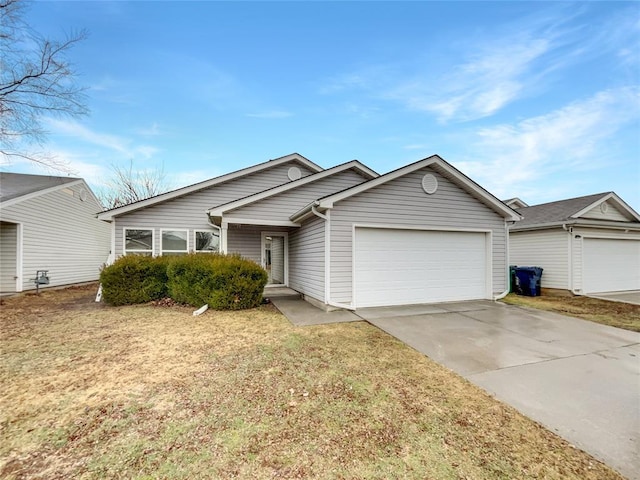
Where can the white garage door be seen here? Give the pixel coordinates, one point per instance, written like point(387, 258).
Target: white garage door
point(398, 267)
point(610, 265)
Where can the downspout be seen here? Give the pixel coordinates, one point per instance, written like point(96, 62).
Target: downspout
point(508, 272)
point(570, 259)
point(327, 278)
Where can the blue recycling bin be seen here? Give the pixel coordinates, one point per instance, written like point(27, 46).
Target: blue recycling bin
point(528, 281)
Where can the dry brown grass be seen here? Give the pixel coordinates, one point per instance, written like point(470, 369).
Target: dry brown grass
point(615, 314)
point(90, 391)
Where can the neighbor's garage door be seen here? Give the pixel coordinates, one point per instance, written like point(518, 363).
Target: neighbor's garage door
point(397, 267)
point(610, 265)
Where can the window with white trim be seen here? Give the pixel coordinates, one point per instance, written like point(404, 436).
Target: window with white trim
point(207, 241)
point(174, 242)
point(138, 241)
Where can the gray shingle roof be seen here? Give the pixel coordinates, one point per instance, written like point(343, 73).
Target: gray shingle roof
point(555, 211)
point(14, 185)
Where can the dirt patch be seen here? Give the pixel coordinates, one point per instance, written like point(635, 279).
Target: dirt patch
point(153, 392)
point(615, 314)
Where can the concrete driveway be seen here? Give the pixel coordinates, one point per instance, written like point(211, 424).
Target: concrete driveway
point(578, 378)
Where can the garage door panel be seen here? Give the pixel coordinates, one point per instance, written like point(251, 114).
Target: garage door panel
point(395, 267)
point(610, 265)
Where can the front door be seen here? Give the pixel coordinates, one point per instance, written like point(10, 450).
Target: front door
point(274, 257)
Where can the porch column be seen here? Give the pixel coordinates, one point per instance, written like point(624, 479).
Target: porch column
point(223, 236)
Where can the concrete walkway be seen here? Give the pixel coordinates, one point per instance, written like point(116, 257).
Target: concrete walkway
point(578, 378)
point(632, 296)
point(302, 313)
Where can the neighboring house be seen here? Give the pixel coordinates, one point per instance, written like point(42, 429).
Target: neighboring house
point(515, 203)
point(49, 223)
point(585, 245)
point(344, 237)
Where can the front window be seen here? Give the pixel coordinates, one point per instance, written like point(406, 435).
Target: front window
point(174, 242)
point(138, 241)
point(207, 241)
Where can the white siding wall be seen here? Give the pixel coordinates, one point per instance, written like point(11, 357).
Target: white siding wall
point(61, 234)
point(282, 206)
point(8, 256)
point(189, 211)
point(307, 259)
point(548, 249)
point(402, 202)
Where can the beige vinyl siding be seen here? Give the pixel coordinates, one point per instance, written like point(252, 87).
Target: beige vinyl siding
point(612, 213)
point(307, 259)
point(548, 249)
point(61, 233)
point(8, 256)
point(246, 240)
point(189, 211)
point(403, 202)
point(283, 205)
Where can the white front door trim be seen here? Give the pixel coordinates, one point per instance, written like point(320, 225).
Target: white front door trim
point(263, 260)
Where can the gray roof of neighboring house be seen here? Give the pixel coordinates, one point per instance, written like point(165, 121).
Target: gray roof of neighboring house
point(556, 211)
point(14, 185)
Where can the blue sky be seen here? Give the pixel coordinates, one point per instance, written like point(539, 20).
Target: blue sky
point(537, 100)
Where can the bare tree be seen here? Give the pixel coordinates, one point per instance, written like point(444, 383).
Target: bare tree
point(128, 185)
point(36, 80)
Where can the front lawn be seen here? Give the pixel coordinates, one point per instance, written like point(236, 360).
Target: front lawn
point(90, 391)
point(615, 314)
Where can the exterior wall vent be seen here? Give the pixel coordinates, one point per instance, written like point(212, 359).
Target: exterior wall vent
point(604, 207)
point(294, 173)
point(429, 184)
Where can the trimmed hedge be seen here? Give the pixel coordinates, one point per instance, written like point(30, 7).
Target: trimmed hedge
point(134, 279)
point(225, 282)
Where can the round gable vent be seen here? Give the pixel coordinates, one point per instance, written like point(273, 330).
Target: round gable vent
point(294, 173)
point(429, 183)
point(604, 207)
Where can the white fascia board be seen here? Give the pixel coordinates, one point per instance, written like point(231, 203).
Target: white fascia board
point(221, 209)
point(253, 221)
point(507, 212)
point(109, 214)
point(616, 199)
point(28, 196)
point(580, 222)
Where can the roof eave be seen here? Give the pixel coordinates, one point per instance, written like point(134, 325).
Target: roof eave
point(506, 212)
point(577, 222)
point(256, 197)
point(114, 212)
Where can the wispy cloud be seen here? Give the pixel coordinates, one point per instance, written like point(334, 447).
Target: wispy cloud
point(152, 130)
point(507, 157)
point(491, 72)
point(270, 114)
point(125, 147)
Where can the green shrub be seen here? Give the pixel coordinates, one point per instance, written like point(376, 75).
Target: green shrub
point(225, 282)
point(134, 279)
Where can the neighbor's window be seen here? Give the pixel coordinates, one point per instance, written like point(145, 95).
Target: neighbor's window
point(174, 242)
point(138, 241)
point(207, 241)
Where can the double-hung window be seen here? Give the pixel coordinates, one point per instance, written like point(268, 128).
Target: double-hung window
point(207, 241)
point(174, 242)
point(138, 241)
